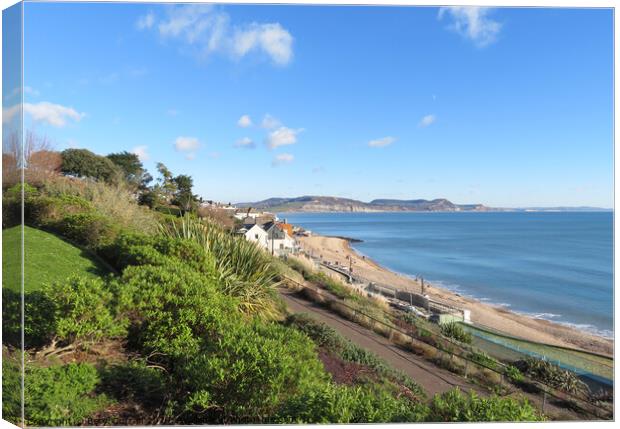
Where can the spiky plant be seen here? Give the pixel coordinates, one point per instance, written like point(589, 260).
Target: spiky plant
point(245, 271)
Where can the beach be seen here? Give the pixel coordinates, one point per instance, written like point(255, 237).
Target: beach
point(335, 249)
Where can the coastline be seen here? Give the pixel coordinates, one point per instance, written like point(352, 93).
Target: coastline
point(498, 317)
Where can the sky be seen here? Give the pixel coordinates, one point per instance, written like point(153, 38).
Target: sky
point(505, 107)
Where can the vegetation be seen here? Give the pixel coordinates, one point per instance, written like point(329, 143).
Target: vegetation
point(325, 337)
point(456, 331)
point(185, 327)
point(242, 268)
point(133, 171)
point(552, 375)
point(84, 163)
point(56, 395)
point(49, 259)
point(455, 406)
point(484, 360)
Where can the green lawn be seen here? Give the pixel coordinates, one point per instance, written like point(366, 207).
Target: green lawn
point(48, 259)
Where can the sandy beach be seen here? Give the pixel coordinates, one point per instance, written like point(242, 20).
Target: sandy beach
point(334, 249)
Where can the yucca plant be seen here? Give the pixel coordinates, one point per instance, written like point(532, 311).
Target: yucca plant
point(245, 271)
point(553, 375)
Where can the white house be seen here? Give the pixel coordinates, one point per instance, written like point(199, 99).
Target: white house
point(270, 237)
point(256, 234)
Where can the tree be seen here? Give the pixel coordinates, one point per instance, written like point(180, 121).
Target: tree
point(84, 163)
point(40, 161)
point(183, 196)
point(132, 168)
point(167, 187)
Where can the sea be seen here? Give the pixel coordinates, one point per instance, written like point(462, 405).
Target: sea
point(550, 265)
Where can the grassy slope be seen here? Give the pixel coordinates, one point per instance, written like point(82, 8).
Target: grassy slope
point(48, 259)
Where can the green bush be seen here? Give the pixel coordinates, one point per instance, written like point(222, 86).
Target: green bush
point(484, 359)
point(88, 228)
point(251, 370)
point(61, 395)
point(135, 381)
point(39, 318)
point(456, 331)
point(514, 374)
point(82, 312)
point(343, 404)
point(455, 406)
point(11, 386)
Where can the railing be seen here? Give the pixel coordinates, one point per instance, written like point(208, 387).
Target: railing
point(584, 405)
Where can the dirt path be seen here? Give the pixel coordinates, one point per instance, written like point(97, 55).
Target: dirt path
point(431, 378)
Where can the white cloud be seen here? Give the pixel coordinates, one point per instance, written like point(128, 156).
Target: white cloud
point(274, 40)
point(146, 21)
point(283, 158)
point(283, 136)
point(244, 121)
point(427, 120)
point(186, 144)
point(50, 113)
point(209, 30)
point(141, 151)
point(245, 143)
point(385, 141)
point(472, 23)
point(269, 122)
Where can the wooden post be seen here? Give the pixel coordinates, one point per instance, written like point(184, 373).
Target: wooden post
point(544, 401)
point(422, 279)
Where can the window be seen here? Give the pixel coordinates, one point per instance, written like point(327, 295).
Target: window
point(256, 236)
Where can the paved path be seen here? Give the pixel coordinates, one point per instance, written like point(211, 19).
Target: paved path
point(432, 378)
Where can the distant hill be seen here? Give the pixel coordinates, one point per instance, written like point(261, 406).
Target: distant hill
point(310, 203)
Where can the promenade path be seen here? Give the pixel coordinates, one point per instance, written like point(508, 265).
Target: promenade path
point(432, 378)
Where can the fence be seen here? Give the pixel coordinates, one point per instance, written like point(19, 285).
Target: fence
point(459, 363)
point(597, 368)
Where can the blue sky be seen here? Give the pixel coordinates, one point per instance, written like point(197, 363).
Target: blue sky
point(506, 107)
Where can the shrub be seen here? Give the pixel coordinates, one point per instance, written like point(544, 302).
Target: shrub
point(61, 394)
point(81, 313)
point(514, 374)
point(137, 382)
point(88, 228)
point(243, 270)
point(484, 359)
point(552, 375)
point(454, 406)
point(11, 386)
point(116, 202)
point(251, 370)
point(342, 404)
point(38, 318)
point(456, 331)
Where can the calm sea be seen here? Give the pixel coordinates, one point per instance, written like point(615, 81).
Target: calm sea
point(556, 266)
